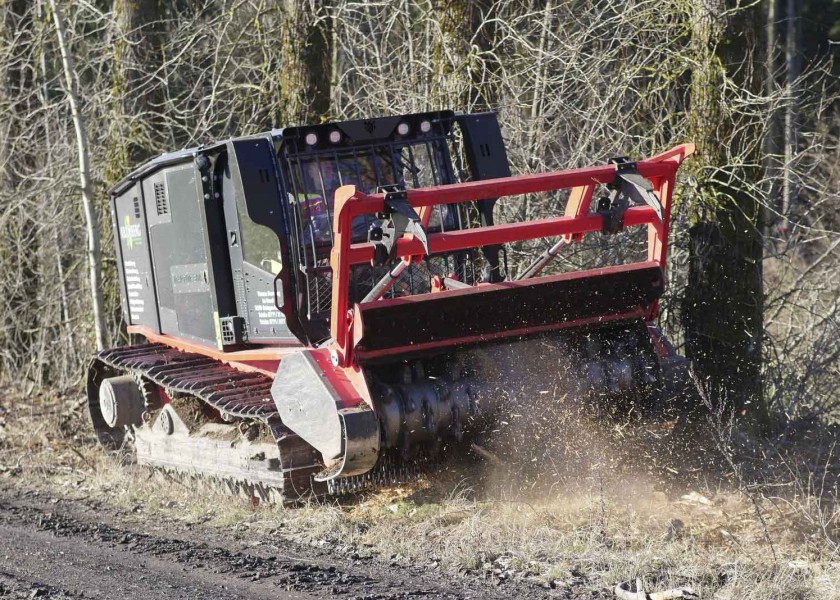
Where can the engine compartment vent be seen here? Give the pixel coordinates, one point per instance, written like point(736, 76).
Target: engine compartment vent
point(161, 200)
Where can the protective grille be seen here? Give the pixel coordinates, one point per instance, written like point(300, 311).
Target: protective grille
point(319, 284)
point(232, 330)
point(313, 179)
point(416, 279)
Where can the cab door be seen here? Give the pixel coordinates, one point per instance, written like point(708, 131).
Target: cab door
point(252, 202)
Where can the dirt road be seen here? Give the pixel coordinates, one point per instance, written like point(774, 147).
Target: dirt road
point(54, 548)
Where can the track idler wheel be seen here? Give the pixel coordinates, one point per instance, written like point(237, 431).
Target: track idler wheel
point(111, 404)
point(120, 401)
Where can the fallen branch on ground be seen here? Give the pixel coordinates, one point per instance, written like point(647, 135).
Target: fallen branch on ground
point(622, 591)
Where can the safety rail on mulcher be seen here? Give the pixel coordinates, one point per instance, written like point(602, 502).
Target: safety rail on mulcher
point(576, 221)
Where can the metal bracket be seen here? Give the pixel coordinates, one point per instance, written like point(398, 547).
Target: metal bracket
point(629, 187)
point(398, 218)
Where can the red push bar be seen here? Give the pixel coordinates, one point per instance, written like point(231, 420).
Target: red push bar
point(660, 170)
point(451, 241)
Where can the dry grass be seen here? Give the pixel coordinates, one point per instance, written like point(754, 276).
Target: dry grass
point(581, 536)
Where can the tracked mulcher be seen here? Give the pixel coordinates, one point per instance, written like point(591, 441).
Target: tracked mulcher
point(321, 309)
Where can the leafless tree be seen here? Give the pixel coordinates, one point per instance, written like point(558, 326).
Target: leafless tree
point(91, 217)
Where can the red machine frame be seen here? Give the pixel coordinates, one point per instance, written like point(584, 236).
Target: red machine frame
point(576, 221)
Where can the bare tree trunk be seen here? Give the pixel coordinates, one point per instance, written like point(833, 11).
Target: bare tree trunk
point(20, 223)
point(537, 130)
point(8, 178)
point(792, 70)
point(305, 73)
point(137, 93)
point(773, 146)
point(332, 24)
point(94, 254)
point(723, 308)
point(53, 211)
point(464, 66)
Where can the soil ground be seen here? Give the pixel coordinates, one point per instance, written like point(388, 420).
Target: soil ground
point(657, 503)
point(55, 547)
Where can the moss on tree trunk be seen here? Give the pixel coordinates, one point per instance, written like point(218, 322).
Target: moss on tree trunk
point(306, 72)
point(723, 307)
point(464, 64)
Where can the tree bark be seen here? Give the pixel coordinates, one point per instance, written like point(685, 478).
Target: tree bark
point(91, 218)
point(464, 65)
point(723, 306)
point(137, 94)
point(306, 72)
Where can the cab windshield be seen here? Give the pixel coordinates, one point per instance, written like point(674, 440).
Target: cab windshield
point(315, 178)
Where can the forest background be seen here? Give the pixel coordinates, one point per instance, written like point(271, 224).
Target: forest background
point(754, 283)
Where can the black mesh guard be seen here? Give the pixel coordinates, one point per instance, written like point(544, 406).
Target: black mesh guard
point(369, 155)
point(462, 316)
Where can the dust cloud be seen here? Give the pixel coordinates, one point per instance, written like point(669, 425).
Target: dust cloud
point(552, 436)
